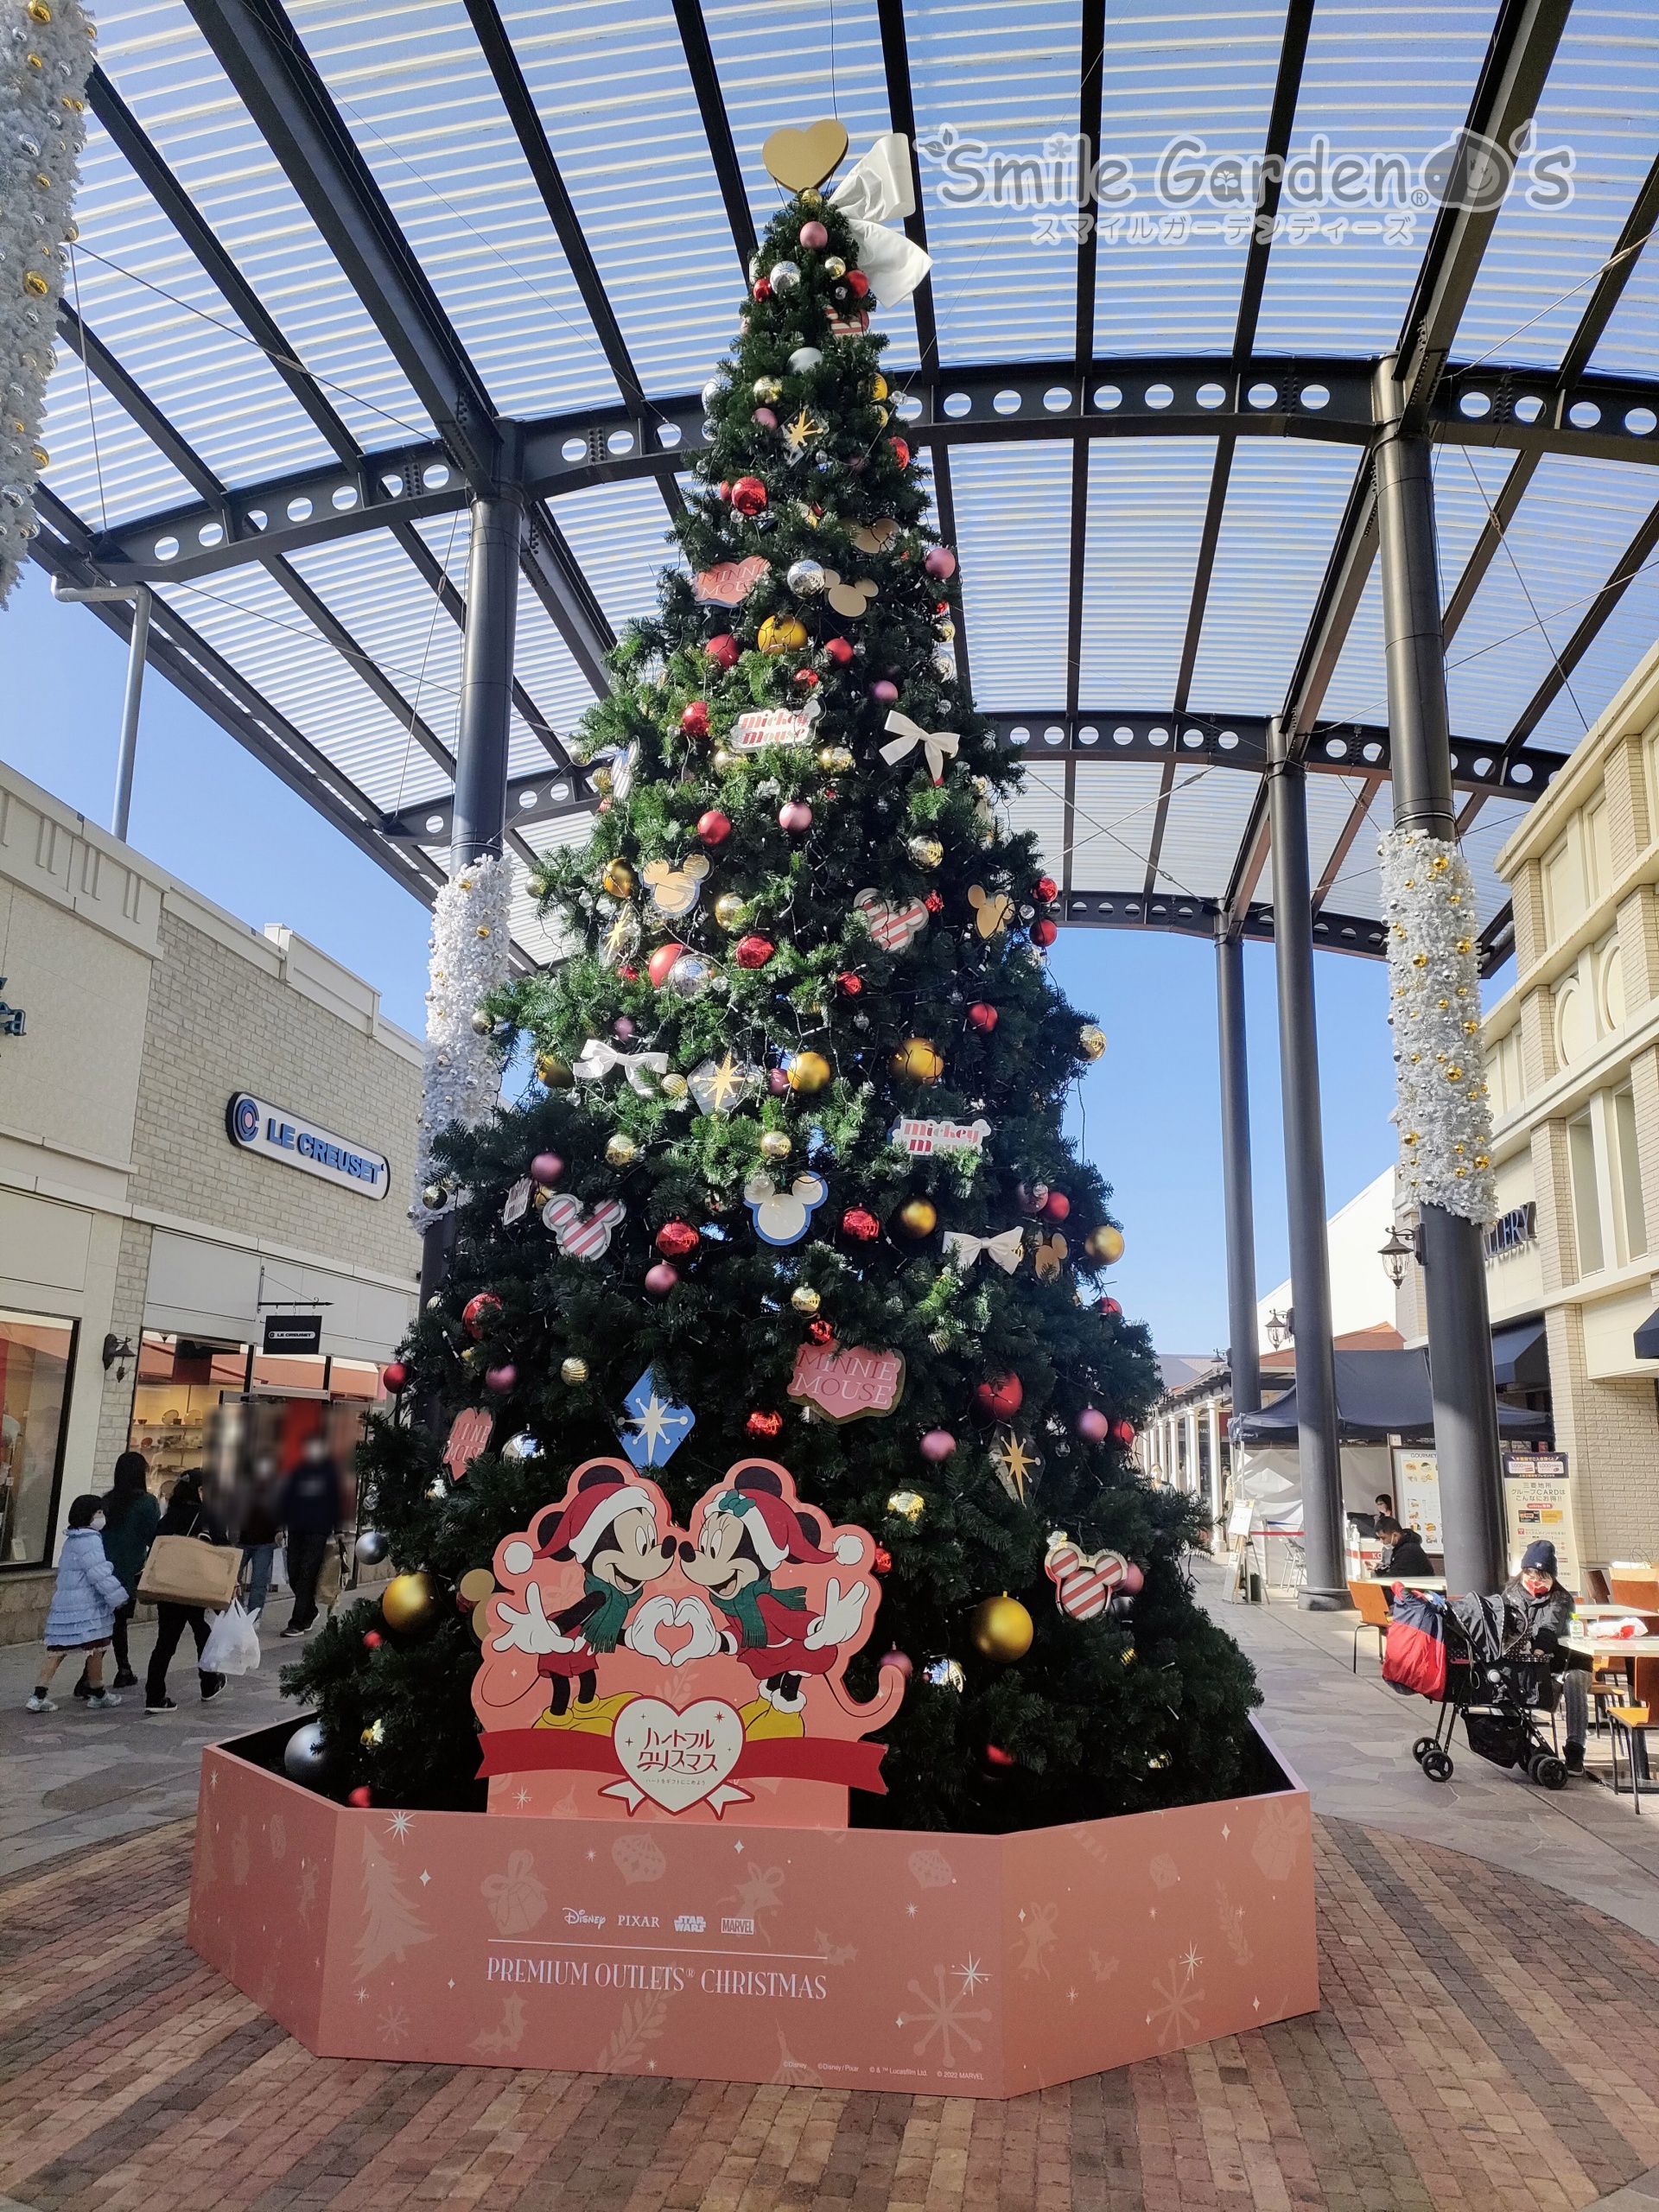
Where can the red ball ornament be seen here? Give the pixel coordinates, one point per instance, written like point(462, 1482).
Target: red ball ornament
point(714, 828)
point(764, 1424)
point(695, 720)
point(360, 1797)
point(807, 678)
point(996, 1756)
point(395, 1375)
point(1000, 1398)
point(1057, 1206)
point(661, 961)
point(881, 1561)
point(900, 452)
point(723, 650)
point(839, 650)
point(678, 1240)
point(850, 985)
point(723, 492)
point(982, 1017)
point(1046, 890)
point(661, 1278)
point(822, 1332)
point(857, 1222)
point(1122, 1433)
point(754, 951)
point(1110, 1307)
point(814, 237)
point(1093, 1426)
point(857, 283)
point(934, 903)
point(748, 495)
point(763, 288)
point(939, 561)
point(546, 1167)
point(796, 816)
point(1044, 932)
point(371, 1640)
point(477, 1314)
point(500, 1379)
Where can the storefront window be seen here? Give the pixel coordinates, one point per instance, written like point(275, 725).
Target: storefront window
point(180, 1383)
point(36, 1354)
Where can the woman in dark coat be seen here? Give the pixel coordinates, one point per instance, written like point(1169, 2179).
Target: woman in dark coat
point(131, 1516)
point(184, 1517)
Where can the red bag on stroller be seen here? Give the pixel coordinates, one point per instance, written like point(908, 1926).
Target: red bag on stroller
point(1414, 1658)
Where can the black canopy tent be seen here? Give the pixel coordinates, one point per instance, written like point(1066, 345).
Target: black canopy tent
point(1379, 1395)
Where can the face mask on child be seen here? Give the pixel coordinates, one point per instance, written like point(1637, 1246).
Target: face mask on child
point(98, 1521)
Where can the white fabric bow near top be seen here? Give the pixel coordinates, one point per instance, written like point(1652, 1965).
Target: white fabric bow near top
point(597, 1059)
point(879, 191)
point(939, 745)
point(963, 1250)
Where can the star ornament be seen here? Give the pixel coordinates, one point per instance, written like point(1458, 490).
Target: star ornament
point(796, 433)
point(657, 1427)
point(1016, 1463)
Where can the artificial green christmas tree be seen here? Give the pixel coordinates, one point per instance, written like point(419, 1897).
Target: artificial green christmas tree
point(799, 1118)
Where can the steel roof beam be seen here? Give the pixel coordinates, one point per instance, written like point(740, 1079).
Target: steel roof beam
point(901, 114)
point(279, 84)
point(1628, 566)
point(140, 409)
point(716, 128)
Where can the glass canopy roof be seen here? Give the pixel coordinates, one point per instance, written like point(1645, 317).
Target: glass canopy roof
point(1149, 435)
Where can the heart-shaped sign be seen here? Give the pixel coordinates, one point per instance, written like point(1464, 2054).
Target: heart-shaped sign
point(800, 159)
point(1083, 1581)
point(677, 1759)
point(892, 928)
point(849, 1384)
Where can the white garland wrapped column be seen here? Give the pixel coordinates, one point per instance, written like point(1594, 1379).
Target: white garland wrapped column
point(45, 53)
point(470, 945)
point(1445, 1120)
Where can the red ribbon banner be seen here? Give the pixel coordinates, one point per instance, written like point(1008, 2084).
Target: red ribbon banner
point(789, 1758)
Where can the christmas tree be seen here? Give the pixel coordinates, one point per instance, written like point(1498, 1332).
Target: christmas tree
point(798, 1115)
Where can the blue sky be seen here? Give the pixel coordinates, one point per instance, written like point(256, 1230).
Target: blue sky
point(211, 813)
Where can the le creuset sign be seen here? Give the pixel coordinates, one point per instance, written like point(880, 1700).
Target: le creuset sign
point(254, 1125)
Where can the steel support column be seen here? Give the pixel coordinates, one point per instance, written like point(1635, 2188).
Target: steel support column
point(1318, 1455)
point(1459, 1330)
point(1237, 1199)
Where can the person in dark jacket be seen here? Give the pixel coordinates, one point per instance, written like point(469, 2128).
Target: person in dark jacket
point(1406, 1556)
point(1544, 1609)
point(310, 1513)
point(184, 1517)
point(131, 1516)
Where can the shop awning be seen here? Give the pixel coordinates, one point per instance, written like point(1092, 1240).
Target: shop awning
point(1379, 1395)
point(1647, 1336)
point(1520, 1357)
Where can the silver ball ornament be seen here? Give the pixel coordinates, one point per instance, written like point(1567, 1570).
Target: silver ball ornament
point(712, 393)
point(786, 277)
point(305, 1755)
point(690, 976)
point(802, 358)
point(433, 1197)
point(371, 1547)
point(944, 666)
point(482, 1024)
point(521, 1447)
point(805, 578)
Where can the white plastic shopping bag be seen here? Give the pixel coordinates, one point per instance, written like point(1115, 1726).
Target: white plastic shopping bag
point(232, 1645)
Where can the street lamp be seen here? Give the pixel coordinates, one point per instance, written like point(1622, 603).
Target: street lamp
point(1397, 1252)
point(1279, 1327)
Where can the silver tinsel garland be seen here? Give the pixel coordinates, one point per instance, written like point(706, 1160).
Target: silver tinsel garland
point(1445, 1120)
point(46, 55)
point(469, 946)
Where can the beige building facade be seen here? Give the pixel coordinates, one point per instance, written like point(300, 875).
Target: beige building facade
point(1573, 1053)
point(146, 1233)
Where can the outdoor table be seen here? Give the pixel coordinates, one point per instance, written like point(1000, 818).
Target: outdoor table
point(1631, 1647)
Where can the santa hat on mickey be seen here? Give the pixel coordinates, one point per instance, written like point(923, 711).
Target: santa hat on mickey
point(600, 1499)
point(774, 1528)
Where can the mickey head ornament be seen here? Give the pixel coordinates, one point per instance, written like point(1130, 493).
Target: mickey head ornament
point(782, 1216)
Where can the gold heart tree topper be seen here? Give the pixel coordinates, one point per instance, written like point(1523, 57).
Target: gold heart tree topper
point(800, 159)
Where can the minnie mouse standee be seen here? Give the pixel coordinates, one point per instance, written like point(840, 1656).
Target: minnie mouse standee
point(631, 1669)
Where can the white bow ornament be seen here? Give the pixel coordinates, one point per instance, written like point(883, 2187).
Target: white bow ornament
point(938, 745)
point(597, 1059)
point(879, 190)
point(964, 1250)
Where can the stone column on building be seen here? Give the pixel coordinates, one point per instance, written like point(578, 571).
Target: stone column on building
point(1217, 1483)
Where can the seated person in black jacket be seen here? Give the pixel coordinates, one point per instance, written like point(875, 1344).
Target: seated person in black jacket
point(1545, 1609)
point(1406, 1557)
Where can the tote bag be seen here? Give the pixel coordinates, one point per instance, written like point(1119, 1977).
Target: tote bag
point(186, 1571)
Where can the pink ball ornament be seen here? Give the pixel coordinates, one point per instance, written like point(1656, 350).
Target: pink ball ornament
point(778, 1082)
point(901, 1663)
point(1093, 1425)
point(937, 1444)
point(939, 561)
point(661, 1278)
point(765, 417)
point(501, 1379)
point(814, 237)
point(883, 693)
point(1133, 1581)
point(796, 816)
point(622, 1028)
point(546, 1167)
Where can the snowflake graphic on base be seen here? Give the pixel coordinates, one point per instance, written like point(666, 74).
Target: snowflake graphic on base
point(971, 1975)
point(392, 2026)
point(399, 1826)
point(944, 2015)
point(1174, 2015)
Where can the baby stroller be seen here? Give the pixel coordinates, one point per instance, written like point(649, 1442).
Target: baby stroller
point(1468, 1657)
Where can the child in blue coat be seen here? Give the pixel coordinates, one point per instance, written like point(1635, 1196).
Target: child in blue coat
point(82, 1617)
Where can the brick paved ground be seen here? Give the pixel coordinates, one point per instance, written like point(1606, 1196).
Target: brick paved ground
point(1485, 2044)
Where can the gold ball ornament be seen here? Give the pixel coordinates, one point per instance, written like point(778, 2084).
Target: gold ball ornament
point(1091, 1041)
point(835, 759)
point(774, 1145)
point(373, 1735)
point(675, 1086)
point(474, 1586)
point(410, 1602)
point(781, 633)
point(834, 267)
point(1105, 1243)
point(554, 1072)
point(724, 760)
point(619, 880)
point(620, 1151)
point(1001, 1630)
point(809, 1071)
point(918, 1218)
point(805, 1299)
point(926, 852)
point(730, 911)
point(917, 1060)
point(573, 1370)
point(908, 1504)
